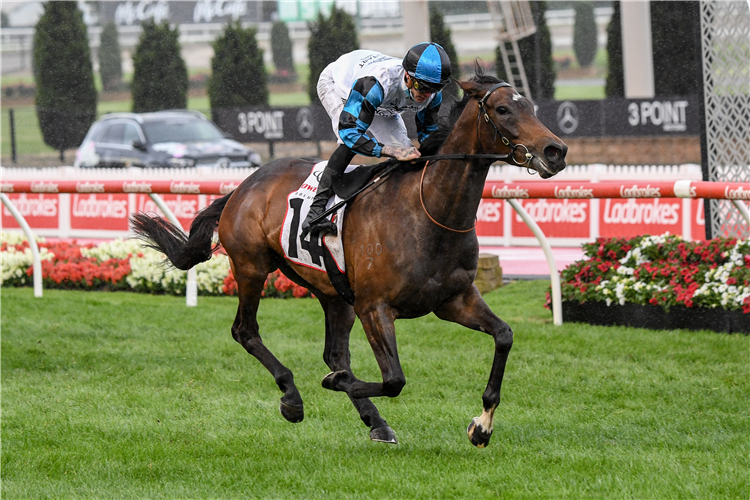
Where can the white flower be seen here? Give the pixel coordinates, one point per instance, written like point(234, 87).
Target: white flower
point(14, 263)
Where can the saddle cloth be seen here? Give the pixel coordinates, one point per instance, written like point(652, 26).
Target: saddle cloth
point(310, 251)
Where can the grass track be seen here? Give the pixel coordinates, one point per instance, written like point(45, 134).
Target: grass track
point(119, 395)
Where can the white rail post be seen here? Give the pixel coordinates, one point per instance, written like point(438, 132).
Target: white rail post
point(743, 209)
point(554, 274)
point(37, 262)
point(191, 290)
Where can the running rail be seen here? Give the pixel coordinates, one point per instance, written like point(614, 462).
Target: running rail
point(736, 192)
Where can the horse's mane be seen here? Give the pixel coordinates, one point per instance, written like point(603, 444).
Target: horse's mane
point(435, 140)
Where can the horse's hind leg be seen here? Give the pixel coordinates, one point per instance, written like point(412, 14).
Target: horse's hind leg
point(339, 321)
point(250, 282)
point(377, 321)
point(471, 311)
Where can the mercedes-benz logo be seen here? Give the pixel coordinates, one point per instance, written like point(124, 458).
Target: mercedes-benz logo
point(567, 117)
point(223, 163)
point(305, 123)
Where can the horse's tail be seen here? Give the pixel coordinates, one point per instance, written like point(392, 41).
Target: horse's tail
point(183, 251)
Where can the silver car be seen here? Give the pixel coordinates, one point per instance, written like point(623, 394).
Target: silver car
point(162, 139)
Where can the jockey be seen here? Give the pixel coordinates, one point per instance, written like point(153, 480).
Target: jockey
point(364, 93)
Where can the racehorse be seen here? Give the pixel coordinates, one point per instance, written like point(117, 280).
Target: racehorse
point(420, 218)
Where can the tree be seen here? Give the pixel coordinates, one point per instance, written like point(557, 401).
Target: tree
point(584, 34)
point(238, 76)
point(536, 54)
point(615, 86)
point(110, 58)
point(441, 35)
point(64, 75)
point(160, 78)
point(329, 39)
point(677, 56)
point(281, 47)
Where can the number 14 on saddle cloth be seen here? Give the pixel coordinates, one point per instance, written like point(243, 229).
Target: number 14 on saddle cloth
point(309, 251)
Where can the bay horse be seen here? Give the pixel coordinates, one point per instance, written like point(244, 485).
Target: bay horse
point(421, 218)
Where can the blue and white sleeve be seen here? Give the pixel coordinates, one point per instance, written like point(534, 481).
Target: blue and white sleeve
point(364, 98)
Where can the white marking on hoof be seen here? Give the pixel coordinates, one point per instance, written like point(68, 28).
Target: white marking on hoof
point(485, 421)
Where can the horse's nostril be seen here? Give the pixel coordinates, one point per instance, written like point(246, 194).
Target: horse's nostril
point(552, 153)
point(555, 152)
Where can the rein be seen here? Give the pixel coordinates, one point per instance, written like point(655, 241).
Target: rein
point(421, 200)
point(392, 163)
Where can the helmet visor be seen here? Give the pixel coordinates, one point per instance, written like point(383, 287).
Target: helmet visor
point(423, 86)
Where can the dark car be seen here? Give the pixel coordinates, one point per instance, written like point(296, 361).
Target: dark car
point(161, 139)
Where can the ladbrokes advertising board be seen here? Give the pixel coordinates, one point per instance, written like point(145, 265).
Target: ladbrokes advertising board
point(575, 221)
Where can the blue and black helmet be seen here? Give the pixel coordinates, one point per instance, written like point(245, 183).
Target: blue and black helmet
point(429, 65)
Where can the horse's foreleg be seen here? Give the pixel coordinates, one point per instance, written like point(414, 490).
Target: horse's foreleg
point(471, 311)
point(246, 332)
point(339, 321)
point(381, 334)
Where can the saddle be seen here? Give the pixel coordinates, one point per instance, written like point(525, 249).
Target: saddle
point(355, 178)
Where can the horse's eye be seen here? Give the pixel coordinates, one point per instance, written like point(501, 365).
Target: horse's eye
point(502, 110)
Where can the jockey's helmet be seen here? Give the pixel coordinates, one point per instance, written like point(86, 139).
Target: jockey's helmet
point(429, 65)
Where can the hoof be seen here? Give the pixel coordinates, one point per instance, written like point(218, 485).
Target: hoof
point(335, 381)
point(293, 413)
point(477, 436)
point(383, 435)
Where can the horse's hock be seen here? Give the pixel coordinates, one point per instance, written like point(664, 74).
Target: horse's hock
point(489, 273)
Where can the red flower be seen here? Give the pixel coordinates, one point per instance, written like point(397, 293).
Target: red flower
point(282, 283)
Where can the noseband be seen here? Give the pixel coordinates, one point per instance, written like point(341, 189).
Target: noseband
point(503, 138)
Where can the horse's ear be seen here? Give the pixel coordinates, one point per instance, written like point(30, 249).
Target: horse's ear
point(472, 88)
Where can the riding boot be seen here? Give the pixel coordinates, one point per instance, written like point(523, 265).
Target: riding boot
point(336, 165)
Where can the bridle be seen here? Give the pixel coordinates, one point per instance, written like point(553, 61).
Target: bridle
point(503, 138)
point(510, 158)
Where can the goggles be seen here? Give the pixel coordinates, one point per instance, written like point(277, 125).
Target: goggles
point(423, 86)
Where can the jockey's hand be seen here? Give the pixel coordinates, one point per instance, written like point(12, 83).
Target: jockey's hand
point(401, 154)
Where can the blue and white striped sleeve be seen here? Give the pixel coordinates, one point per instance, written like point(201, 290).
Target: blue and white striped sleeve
point(365, 97)
point(427, 118)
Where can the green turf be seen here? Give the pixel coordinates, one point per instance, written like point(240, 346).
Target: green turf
point(120, 395)
point(579, 92)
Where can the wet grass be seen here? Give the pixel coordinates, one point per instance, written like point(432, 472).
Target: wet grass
point(119, 395)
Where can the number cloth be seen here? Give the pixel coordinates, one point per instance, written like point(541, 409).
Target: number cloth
point(309, 252)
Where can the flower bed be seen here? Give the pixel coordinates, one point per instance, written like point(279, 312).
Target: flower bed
point(122, 265)
point(667, 277)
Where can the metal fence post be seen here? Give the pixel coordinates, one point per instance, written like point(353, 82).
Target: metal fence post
point(554, 274)
point(35, 258)
point(13, 155)
point(191, 288)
